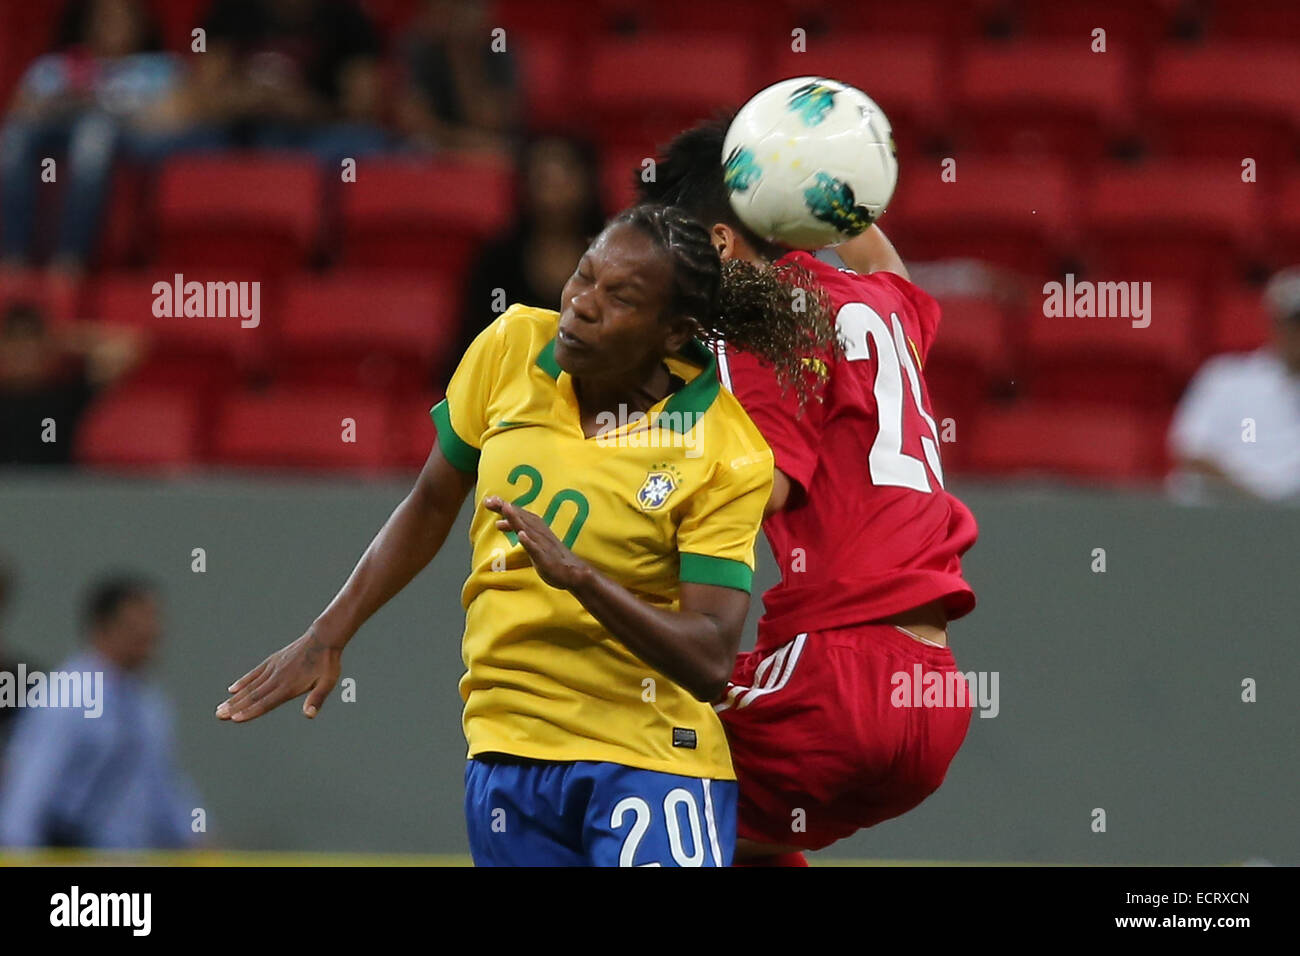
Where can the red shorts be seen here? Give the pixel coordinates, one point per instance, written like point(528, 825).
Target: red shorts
point(828, 734)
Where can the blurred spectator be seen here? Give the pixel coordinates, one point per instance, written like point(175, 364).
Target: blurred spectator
point(295, 74)
point(8, 658)
point(559, 213)
point(107, 92)
point(109, 781)
point(459, 93)
point(48, 377)
point(1238, 425)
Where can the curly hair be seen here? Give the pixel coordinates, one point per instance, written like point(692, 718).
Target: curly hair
point(779, 313)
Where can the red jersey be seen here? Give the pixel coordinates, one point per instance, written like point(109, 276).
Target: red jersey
point(869, 530)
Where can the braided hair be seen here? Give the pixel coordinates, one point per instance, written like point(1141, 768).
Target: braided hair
point(778, 313)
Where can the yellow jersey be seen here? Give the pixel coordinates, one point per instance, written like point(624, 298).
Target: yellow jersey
point(676, 495)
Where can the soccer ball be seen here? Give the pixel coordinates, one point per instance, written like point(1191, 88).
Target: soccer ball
point(809, 162)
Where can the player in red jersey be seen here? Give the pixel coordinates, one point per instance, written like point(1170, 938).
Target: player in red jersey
point(869, 546)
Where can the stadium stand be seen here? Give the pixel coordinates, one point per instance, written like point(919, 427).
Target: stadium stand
point(302, 427)
point(143, 428)
point(1048, 97)
point(1123, 166)
point(405, 214)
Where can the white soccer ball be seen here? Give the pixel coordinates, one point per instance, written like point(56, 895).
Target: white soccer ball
point(809, 162)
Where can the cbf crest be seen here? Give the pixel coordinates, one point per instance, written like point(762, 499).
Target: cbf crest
point(660, 483)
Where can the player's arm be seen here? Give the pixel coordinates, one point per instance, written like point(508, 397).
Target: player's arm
point(406, 543)
point(695, 647)
point(871, 251)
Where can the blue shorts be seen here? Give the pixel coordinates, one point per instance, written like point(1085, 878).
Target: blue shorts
point(536, 813)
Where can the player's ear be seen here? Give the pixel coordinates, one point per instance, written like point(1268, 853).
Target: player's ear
point(681, 329)
point(724, 240)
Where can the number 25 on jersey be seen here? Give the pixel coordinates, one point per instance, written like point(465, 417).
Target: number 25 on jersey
point(866, 335)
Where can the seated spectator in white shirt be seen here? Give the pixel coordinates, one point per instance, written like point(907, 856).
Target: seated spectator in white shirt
point(1238, 425)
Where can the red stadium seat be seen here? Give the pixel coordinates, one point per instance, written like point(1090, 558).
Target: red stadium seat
point(546, 66)
point(26, 31)
point(903, 74)
point(1239, 320)
point(522, 18)
point(1268, 20)
point(198, 353)
point(177, 18)
point(1015, 214)
point(143, 427)
point(1042, 97)
point(694, 75)
point(304, 428)
point(618, 174)
point(384, 332)
point(256, 211)
point(414, 431)
point(1170, 219)
point(951, 19)
point(1227, 101)
point(721, 16)
point(1033, 439)
point(1109, 361)
point(125, 217)
point(1285, 215)
point(408, 214)
point(971, 350)
point(1132, 26)
point(59, 301)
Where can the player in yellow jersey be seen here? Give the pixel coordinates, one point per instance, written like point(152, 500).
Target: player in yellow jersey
point(621, 490)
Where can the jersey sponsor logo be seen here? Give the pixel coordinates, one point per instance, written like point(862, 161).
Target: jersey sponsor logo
point(684, 737)
point(657, 488)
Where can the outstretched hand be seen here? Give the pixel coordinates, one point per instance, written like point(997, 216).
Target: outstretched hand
point(556, 565)
point(308, 664)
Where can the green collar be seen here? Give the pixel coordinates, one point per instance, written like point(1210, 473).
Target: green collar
point(694, 398)
point(546, 360)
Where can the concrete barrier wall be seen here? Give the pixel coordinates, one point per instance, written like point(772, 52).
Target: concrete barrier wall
point(1119, 690)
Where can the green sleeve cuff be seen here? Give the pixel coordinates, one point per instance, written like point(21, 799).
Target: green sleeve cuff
point(460, 454)
point(723, 572)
